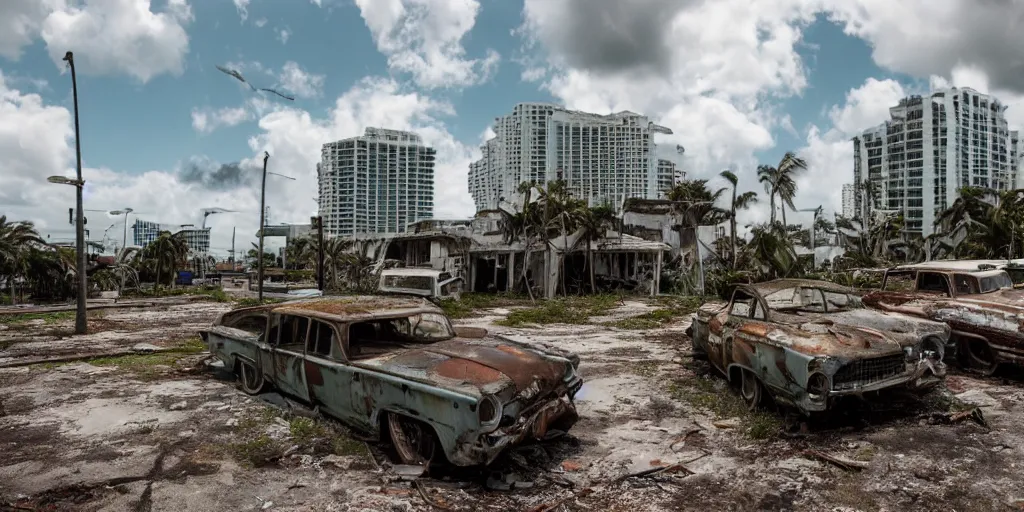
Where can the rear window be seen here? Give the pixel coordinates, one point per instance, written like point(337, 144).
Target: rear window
point(413, 282)
point(994, 283)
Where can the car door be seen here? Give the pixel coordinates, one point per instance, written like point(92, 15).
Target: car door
point(288, 353)
point(329, 377)
point(723, 325)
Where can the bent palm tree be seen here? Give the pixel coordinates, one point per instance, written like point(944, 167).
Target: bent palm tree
point(740, 202)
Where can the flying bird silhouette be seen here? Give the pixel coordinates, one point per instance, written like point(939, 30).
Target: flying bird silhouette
point(237, 75)
point(279, 94)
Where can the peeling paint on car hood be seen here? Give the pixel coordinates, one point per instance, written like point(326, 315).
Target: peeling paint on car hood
point(476, 367)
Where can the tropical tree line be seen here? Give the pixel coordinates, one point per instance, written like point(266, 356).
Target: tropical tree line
point(348, 266)
point(30, 267)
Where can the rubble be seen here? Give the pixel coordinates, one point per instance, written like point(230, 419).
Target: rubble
point(85, 436)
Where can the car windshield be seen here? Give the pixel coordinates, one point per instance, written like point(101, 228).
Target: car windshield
point(812, 300)
point(379, 336)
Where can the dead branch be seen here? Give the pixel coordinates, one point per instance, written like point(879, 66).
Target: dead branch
point(846, 464)
point(423, 494)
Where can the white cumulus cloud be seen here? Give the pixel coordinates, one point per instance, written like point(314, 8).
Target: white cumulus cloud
point(424, 38)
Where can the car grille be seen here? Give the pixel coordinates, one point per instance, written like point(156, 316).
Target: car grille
point(867, 371)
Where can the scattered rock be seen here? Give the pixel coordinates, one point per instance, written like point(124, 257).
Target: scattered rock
point(178, 406)
point(570, 465)
point(341, 461)
point(223, 407)
point(185, 434)
point(146, 348)
point(231, 422)
point(408, 472)
point(729, 423)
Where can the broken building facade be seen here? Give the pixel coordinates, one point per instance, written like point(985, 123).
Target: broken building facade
point(476, 250)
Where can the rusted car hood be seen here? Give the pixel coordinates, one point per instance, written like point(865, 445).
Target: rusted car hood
point(858, 333)
point(476, 366)
point(1006, 299)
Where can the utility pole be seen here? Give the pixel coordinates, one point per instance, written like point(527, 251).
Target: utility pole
point(263, 213)
point(318, 225)
point(232, 249)
point(81, 325)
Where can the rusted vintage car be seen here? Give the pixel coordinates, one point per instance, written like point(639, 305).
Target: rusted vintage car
point(807, 343)
point(977, 300)
point(395, 366)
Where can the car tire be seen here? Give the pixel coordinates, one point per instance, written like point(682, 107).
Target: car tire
point(414, 441)
point(978, 356)
point(250, 379)
point(751, 389)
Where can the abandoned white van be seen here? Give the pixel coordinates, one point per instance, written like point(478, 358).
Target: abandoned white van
point(425, 282)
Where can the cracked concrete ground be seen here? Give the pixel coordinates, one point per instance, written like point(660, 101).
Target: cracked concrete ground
point(166, 432)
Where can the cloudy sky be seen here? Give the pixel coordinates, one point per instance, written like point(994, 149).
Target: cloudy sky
point(739, 81)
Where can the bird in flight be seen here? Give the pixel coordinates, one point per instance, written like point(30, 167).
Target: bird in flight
point(279, 94)
point(237, 75)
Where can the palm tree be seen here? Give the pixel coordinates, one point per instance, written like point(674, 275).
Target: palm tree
point(770, 251)
point(781, 181)
point(594, 224)
point(166, 251)
point(694, 203)
point(740, 202)
point(337, 259)
point(16, 241)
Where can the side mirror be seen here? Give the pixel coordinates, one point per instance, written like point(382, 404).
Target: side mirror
point(470, 332)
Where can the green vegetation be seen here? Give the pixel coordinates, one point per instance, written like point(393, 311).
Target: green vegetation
point(470, 303)
point(567, 310)
point(256, 447)
point(47, 318)
point(673, 308)
point(151, 366)
point(703, 393)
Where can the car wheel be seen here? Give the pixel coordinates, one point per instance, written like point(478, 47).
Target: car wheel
point(413, 440)
point(249, 378)
point(978, 356)
point(751, 389)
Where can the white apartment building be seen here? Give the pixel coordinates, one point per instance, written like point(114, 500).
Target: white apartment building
point(197, 239)
point(602, 158)
point(667, 177)
point(931, 147)
point(849, 208)
point(377, 183)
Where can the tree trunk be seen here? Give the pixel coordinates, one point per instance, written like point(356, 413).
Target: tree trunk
point(782, 205)
point(732, 227)
point(590, 266)
point(771, 201)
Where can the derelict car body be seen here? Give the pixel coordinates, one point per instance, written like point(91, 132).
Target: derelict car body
point(395, 366)
point(809, 342)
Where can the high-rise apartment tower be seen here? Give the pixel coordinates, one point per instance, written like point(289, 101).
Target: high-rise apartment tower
point(377, 183)
point(931, 147)
point(602, 158)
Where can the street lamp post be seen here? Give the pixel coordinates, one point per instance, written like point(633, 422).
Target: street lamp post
point(263, 194)
point(80, 320)
point(263, 213)
point(124, 242)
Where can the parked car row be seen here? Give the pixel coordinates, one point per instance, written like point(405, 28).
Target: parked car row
point(396, 368)
point(807, 343)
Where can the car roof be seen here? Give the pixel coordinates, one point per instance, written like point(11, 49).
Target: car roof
point(957, 265)
point(353, 308)
point(413, 272)
point(769, 287)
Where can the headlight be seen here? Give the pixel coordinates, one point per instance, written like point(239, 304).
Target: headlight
point(489, 411)
point(818, 386)
point(933, 348)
